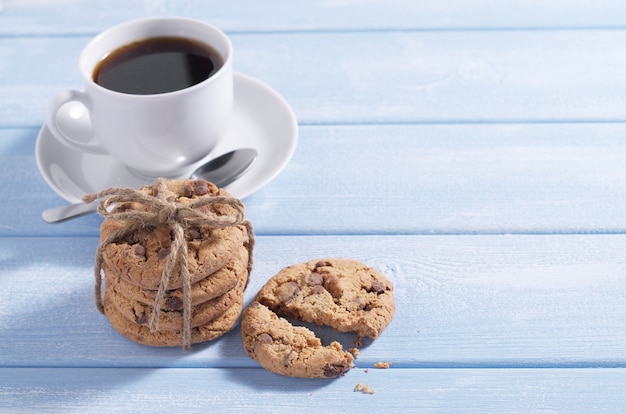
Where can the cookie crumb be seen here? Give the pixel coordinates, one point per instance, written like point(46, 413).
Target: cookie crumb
point(367, 370)
point(355, 352)
point(382, 365)
point(365, 389)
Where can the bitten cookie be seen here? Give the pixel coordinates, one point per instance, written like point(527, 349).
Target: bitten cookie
point(345, 294)
point(289, 350)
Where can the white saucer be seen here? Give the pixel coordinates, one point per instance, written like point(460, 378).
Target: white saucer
point(262, 119)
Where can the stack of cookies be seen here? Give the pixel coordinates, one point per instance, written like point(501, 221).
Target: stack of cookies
point(150, 282)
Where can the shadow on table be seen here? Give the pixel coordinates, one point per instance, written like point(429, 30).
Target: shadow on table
point(48, 316)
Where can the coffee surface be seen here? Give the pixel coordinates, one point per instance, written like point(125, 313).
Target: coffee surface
point(157, 65)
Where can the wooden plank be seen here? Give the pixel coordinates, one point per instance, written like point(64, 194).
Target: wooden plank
point(516, 76)
point(450, 179)
point(36, 17)
point(409, 179)
point(247, 390)
point(441, 77)
point(462, 301)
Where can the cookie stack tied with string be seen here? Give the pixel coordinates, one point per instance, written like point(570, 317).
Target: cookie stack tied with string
point(176, 258)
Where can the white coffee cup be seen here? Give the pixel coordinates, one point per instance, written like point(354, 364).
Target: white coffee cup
point(160, 134)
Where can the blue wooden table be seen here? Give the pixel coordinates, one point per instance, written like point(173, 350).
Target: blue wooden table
point(474, 152)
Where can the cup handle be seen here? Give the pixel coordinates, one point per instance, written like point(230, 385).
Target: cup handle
point(54, 107)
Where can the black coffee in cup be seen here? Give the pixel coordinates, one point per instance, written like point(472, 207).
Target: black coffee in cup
point(157, 65)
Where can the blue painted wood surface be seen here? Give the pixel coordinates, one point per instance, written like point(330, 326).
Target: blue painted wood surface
point(472, 151)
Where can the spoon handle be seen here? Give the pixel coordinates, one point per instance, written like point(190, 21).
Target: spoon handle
point(61, 213)
point(222, 171)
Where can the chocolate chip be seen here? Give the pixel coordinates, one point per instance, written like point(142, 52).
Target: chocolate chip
point(163, 253)
point(194, 233)
point(359, 302)
point(323, 263)
point(201, 187)
point(334, 370)
point(315, 279)
point(140, 234)
point(139, 250)
point(317, 290)
point(333, 284)
point(287, 292)
point(377, 286)
point(187, 191)
point(265, 338)
point(170, 199)
point(174, 303)
point(141, 319)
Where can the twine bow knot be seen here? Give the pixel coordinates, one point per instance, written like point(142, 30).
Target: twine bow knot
point(168, 213)
point(159, 210)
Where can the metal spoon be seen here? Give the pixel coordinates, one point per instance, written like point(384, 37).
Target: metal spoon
point(221, 171)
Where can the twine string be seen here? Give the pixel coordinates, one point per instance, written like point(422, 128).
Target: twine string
point(157, 210)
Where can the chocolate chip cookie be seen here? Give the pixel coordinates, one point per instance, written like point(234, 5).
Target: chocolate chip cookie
point(162, 338)
point(344, 294)
point(140, 255)
point(212, 286)
point(289, 350)
point(172, 319)
point(140, 258)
